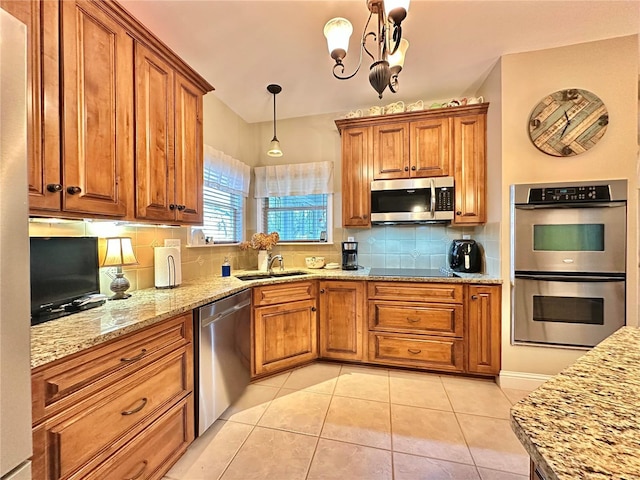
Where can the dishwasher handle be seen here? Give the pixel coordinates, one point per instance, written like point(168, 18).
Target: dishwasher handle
point(225, 313)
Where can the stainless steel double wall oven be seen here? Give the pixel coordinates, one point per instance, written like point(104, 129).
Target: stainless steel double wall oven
point(569, 262)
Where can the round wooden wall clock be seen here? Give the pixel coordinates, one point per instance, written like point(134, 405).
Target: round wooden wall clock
point(568, 122)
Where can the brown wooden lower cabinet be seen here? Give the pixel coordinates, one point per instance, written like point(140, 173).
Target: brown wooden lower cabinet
point(483, 333)
point(418, 351)
point(137, 404)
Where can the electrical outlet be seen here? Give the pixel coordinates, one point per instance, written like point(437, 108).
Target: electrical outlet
point(466, 237)
point(172, 242)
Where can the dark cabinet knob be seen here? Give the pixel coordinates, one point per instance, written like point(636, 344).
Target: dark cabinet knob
point(413, 168)
point(54, 187)
point(474, 297)
point(73, 190)
point(313, 309)
point(322, 290)
point(172, 206)
point(458, 213)
point(181, 207)
point(406, 169)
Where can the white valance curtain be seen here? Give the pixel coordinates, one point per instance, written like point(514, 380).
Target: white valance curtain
point(294, 179)
point(225, 173)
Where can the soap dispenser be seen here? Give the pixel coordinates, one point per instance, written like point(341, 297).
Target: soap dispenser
point(226, 267)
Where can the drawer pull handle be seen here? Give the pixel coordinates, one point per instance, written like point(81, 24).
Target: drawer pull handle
point(140, 472)
point(413, 320)
point(414, 351)
point(137, 409)
point(137, 357)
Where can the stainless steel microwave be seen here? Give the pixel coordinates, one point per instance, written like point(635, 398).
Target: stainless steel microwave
point(412, 200)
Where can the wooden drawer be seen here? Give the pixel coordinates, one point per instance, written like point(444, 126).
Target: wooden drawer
point(435, 353)
point(155, 450)
point(283, 293)
point(428, 318)
point(109, 420)
point(416, 292)
point(65, 383)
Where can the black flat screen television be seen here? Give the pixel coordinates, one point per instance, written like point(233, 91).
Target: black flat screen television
point(62, 269)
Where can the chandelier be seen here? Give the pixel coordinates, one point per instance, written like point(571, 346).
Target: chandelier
point(390, 46)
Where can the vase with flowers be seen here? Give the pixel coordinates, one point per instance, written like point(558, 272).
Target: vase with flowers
point(262, 242)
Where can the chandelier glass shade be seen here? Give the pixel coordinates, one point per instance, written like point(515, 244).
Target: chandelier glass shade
point(390, 50)
point(274, 146)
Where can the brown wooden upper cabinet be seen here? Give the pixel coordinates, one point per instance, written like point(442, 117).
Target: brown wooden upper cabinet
point(83, 68)
point(168, 142)
point(430, 143)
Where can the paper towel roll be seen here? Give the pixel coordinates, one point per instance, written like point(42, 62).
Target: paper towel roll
point(167, 267)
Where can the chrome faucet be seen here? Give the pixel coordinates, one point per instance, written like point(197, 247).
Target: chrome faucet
point(273, 259)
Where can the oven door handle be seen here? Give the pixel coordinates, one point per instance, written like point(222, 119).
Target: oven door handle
point(570, 278)
point(525, 206)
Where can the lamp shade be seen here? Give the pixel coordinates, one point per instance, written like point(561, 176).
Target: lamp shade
point(274, 148)
point(338, 31)
point(119, 252)
point(397, 58)
point(396, 9)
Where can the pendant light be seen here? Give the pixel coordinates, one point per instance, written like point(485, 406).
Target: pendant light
point(274, 146)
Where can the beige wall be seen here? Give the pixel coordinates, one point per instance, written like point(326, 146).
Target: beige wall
point(608, 68)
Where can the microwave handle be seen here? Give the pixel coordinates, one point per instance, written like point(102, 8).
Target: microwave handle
point(433, 198)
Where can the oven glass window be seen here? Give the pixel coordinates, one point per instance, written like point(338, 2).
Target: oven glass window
point(583, 237)
point(589, 311)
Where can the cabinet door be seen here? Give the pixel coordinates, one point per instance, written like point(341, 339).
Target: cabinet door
point(484, 319)
point(155, 183)
point(188, 152)
point(284, 335)
point(342, 306)
point(430, 148)
point(391, 151)
point(97, 121)
point(469, 133)
point(356, 177)
point(43, 117)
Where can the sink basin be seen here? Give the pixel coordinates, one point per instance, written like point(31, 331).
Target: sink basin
point(263, 276)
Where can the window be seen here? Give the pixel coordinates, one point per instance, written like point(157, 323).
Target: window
point(296, 201)
point(226, 184)
point(301, 218)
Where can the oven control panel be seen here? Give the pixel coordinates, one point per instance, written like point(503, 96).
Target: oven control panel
point(593, 193)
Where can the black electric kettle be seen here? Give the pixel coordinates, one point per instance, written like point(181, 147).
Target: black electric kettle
point(464, 256)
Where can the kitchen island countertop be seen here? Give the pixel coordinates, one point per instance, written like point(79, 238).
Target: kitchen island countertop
point(65, 336)
point(583, 423)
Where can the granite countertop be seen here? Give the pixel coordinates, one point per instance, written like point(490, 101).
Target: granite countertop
point(583, 423)
point(59, 338)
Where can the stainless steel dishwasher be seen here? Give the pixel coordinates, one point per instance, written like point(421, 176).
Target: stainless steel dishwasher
point(223, 355)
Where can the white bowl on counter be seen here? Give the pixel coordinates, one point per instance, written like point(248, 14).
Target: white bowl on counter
point(314, 262)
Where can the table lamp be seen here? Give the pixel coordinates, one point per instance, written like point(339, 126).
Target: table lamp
point(119, 252)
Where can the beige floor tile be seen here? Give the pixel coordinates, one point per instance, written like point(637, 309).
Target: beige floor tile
point(297, 411)
point(367, 383)
point(418, 390)
point(476, 397)
point(358, 421)
point(514, 395)
point(251, 405)
point(317, 377)
point(493, 444)
point(274, 380)
point(344, 461)
point(487, 474)
point(209, 454)
point(428, 433)
point(412, 467)
point(272, 455)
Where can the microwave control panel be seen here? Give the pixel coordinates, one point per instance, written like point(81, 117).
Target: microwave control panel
point(594, 193)
point(444, 199)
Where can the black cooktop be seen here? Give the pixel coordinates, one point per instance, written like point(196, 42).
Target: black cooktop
point(411, 272)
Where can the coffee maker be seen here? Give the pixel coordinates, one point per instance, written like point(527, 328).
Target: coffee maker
point(349, 255)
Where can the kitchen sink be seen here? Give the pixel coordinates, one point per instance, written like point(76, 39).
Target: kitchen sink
point(263, 276)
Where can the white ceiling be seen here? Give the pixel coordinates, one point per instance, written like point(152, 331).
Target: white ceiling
point(241, 46)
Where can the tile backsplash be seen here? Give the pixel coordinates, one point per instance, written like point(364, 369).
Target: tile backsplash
point(423, 246)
